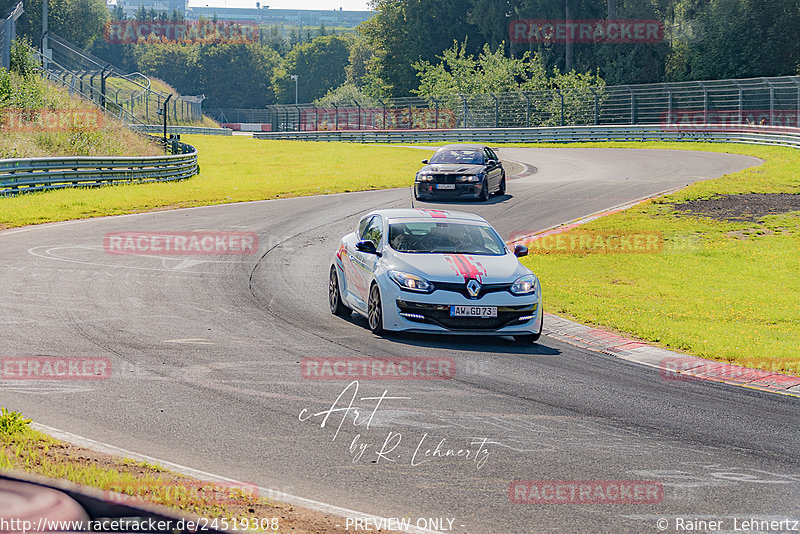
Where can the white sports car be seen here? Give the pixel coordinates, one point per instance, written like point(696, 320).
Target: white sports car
point(431, 271)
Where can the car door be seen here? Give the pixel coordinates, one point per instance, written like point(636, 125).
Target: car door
point(362, 264)
point(494, 172)
point(352, 272)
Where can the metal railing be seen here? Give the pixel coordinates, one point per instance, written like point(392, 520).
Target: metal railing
point(756, 134)
point(197, 130)
point(771, 101)
point(129, 93)
point(22, 175)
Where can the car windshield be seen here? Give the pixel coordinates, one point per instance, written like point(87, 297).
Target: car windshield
point(445, 238)
point(463, 156)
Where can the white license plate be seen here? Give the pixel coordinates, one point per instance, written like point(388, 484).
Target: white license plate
point(473, 311)
point(445, 186)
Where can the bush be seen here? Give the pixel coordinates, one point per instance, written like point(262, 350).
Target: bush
point(12, 423)
point(23, 62)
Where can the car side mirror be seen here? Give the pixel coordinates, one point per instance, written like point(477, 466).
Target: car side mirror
point(491, 163)
point(520, 251)
point(424, 161)
point(365, 245)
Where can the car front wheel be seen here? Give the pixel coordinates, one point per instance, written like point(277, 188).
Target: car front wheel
point(485, 191)
point(375, 310)
point(530, 338)
point(502, 189)
point(335, 296)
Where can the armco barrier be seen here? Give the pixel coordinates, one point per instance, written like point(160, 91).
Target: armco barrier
point(200, 130)
point(38, 174)
point(767, 135)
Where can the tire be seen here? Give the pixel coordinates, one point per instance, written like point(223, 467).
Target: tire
point(502, 189)
point(335, 296)
point(530, 338)
point(375, 310)
point(485, 191)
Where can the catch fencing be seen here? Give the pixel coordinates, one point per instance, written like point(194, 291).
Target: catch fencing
point(756, 101)
point(8, 32)
point(127, 95)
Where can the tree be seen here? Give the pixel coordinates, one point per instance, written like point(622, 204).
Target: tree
point(174, 63)
point(320, 66)
point(403, 32)
point(232, 75)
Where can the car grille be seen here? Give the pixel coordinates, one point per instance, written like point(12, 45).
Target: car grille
point(461, 288)
point(439, 314)
point(444, 178)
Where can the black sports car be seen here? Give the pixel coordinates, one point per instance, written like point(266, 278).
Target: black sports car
point(461, 172)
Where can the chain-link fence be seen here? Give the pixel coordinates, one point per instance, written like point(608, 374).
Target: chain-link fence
point(126, 94)
point(770, 101)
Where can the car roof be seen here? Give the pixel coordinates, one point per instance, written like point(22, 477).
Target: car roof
point(463, 146)
point(423, 214)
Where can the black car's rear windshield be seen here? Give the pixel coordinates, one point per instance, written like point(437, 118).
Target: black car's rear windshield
point(463, 156)
point(445, 238)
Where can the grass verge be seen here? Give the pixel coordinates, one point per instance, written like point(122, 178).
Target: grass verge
point(233, 169)
point(23, 449)
point(719, 289)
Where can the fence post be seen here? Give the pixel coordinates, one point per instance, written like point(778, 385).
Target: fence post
point(527, 110)
point(705, 102)
point(384, 114)
point(436, 106)
point(496, 110)
point(336, 111)
point(669, 119)
point(771, 102)
point(465, 110)
point(741, 100)
point(633, 104)
point(561, 95)
point(794, 81)
point(359, 114)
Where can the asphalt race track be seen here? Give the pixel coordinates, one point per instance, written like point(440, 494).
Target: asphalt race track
point(206, 351)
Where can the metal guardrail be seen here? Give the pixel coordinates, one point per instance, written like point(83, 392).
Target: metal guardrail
point(22, 175)
point(199, 130)
point(766, 135)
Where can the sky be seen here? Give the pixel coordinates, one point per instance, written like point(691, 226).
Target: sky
point(347, 5)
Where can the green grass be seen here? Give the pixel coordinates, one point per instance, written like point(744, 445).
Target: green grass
point(233, 169)
point(727, 291)
point(24, 449)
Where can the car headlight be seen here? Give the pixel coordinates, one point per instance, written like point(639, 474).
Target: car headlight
point(524, 285)
point(410, 282)
point(424, 177)
point(471, 179)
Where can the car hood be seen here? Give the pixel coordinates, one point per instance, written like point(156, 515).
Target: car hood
point(452, 168)
point(459, 268)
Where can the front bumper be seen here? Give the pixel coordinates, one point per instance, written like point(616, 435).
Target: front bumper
point(425, 190)
point(430, 313)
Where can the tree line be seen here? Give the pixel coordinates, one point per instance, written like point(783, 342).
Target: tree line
point(429, 47)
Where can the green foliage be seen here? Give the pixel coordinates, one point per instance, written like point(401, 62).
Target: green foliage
point(78, 21)
point(493, 72)
point(12, 423)
point(6, 88)
point(234, 75)
point(319, 64)
point(347, 93)
point(23, 61)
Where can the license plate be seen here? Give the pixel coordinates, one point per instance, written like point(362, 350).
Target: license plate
point(445, 186)
point(473, 311)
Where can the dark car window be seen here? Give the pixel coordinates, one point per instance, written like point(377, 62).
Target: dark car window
point(491, 155)
point(445, 238)
point(462, 156)
point(362, 226)
point(374, 231)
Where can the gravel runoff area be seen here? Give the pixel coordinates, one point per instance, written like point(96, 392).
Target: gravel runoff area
point(748, 207)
